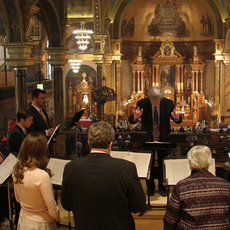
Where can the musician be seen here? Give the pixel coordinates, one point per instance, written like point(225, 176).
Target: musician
point(102, 191)
point(156, 106)
point(18, 133)
point(41, 122)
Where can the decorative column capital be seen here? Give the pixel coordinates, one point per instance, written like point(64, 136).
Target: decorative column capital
point(57, 56)
point(19, 54)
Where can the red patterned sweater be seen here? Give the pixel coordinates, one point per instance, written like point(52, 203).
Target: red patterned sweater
point(200, 201)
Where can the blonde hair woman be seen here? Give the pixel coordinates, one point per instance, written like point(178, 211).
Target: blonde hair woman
point(32, 186)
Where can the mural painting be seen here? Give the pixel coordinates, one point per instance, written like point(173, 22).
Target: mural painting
point(79, 8)
point(153, 18)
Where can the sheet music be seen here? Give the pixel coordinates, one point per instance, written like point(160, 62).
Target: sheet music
point(54, 132)
point(6, 167)
point(141, 160)
point(57, 167)
point(178, 169)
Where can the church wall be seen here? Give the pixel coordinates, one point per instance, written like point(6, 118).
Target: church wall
point(126, 79)
point(209, 79)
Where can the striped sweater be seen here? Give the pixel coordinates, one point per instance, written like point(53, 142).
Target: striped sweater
point(200, 201)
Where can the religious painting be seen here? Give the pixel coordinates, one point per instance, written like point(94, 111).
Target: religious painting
point(167, 51)
point(167, 76)
point(179, 18)
point(85, 98)
point(127, 27)
point(207, 26)
point(79, 9)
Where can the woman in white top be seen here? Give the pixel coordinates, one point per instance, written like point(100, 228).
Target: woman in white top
point(32, 186)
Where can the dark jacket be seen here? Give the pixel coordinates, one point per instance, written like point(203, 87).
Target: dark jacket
point(39, 125)
point(102, 192)
point(166, 107)
point(15, 139)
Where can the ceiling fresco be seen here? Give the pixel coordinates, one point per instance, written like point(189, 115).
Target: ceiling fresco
point(179, 19)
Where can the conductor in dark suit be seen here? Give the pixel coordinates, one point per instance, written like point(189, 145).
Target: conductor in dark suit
point(155, 113)
point(102, 191)
point(18, 133)
point(41, 122)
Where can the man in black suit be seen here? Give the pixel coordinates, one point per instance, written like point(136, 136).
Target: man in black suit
point(18, 133)
point(164, 110)
point(102, 191)
point(40, 117)
point(16, 137)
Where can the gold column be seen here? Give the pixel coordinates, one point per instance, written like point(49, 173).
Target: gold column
point(197, 81)
point(193, 80)
point(178, 78)
point(201, 80)
point(157, 76)
point(153, 75)
point(142, 81)
point(134, 80)
point(138, 80)
point(182, 78)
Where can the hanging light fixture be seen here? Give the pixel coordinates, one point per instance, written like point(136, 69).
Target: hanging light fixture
point(75, 64)
point(83, 36)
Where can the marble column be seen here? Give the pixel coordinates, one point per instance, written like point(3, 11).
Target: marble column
point(19, 59)
point(108, 76)
point(118, 83)
point(20, 88)
point(57, 61)
point(217, 85)
point(99, 75)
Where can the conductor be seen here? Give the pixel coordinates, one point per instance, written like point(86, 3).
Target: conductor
point(155, 113)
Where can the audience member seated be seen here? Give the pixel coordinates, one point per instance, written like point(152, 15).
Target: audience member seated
point(181, 130)
point(200, 201)
point(32, 186)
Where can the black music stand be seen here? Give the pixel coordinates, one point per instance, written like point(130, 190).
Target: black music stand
point(74, 122)
point(157, 146)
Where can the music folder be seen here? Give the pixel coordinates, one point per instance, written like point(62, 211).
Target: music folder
point(54, 134)
point(75, 119)
point(6, 167)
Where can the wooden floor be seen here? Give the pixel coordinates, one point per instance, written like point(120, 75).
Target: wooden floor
point(151, 219)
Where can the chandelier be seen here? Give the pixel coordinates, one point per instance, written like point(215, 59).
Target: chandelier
point(75, 64)
point(83, 36)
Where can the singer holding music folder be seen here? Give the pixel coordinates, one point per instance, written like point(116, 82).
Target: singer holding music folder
point(41, 122)
point(155, 113)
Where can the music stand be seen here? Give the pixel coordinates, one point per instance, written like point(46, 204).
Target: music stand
point(74, 122)
point(138, 137)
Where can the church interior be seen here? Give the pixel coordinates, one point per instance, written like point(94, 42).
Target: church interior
point(103, 56)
